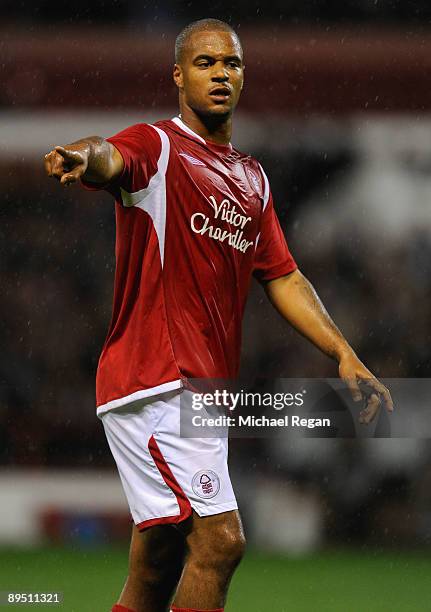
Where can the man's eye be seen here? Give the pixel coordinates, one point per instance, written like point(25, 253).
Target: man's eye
point(203, 64)
point(233, 64)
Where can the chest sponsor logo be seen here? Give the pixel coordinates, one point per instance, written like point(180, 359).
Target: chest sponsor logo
point(192, 160)
point(225, 213)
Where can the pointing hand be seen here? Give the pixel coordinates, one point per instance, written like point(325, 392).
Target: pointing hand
point(65, 164)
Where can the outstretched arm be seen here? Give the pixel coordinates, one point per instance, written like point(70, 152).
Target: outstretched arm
point(93, 159)
point(296, 300)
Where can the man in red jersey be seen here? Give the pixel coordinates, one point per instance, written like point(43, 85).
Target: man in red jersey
point(195, 220)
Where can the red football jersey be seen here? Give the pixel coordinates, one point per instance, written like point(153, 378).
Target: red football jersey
point(194, 221)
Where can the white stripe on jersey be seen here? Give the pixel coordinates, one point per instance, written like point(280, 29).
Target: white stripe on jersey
point(152, 199)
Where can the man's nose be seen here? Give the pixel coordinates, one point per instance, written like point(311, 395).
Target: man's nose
point(220, 73)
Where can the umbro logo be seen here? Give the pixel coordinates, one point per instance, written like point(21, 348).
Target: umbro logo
point(192, 160)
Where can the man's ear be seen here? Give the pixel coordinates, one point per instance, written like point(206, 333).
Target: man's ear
point(178, 76)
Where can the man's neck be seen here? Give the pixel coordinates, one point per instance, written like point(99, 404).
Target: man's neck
point(214, 129)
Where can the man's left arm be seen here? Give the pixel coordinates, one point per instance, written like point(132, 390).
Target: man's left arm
point(296, 300)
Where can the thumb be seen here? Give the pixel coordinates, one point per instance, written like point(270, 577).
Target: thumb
point(68, 155)
point(72, 177)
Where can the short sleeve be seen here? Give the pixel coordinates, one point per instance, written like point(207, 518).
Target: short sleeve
point(272, 258)
point(140, 147)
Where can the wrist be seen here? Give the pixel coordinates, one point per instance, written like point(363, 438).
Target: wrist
point(343, 352)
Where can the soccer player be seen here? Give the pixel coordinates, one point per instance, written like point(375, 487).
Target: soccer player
point(195, 220)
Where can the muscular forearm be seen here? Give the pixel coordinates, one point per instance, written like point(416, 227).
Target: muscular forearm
point(100, 158)
point(296, 300)
point(91, 158)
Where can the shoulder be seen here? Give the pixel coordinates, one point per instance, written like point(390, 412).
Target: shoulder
point(138, 131)
point(165, 125)
point(144, 154)
point(138, 139)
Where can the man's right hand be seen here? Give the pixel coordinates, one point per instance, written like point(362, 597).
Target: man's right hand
point(66, 164)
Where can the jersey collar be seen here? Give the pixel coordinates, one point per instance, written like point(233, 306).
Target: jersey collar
point(186, 129)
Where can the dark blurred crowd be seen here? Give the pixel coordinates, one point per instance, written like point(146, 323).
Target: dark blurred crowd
point(134, 12)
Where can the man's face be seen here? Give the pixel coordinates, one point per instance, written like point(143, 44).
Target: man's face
point(211, 73)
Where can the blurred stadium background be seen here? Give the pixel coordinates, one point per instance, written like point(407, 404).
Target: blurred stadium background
point(337, 108)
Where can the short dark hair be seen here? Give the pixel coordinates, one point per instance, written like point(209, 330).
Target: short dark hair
point(197, 26)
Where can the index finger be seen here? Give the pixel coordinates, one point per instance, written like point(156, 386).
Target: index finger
point(377, 386)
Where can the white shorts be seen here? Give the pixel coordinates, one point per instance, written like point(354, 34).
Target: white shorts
point(165, 476)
